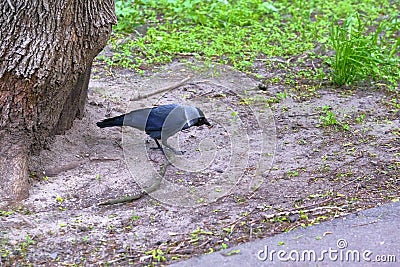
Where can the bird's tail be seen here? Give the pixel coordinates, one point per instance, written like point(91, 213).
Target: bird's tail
point(111, 122)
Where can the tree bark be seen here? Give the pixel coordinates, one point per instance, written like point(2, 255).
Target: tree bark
point(46, 51)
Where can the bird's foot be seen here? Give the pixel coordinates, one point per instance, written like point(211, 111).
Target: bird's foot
point(176, 152)
point(158, 148)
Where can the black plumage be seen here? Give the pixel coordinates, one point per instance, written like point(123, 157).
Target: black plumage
point(159, 122)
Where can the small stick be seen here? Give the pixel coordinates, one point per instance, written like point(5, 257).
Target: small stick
point(168, 88)
point(292, 212)
point(305, 115)
point(11, 6)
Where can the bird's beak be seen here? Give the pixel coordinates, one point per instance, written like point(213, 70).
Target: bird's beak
point(207, 123)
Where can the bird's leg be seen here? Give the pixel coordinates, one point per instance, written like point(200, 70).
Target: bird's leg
point(164, 142)
point(158, 144)
point(177, 152)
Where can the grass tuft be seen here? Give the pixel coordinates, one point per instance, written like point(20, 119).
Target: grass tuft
point(362, 55)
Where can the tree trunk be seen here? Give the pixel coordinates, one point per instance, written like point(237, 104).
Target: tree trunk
point(46, 52)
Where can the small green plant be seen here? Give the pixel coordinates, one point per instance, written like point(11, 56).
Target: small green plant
point(134, 217)
point(292, 173)
point(27, 243)
point(234, 115)
point(345, 127)
point(197, 234)
point(277, 98)
point(328, 119)
point(303, 215)
point(281, 95)
point(228, 230)
point(360, 118)
point(59, 199)
point(198, 231)
point(85, 239)
point(4, 213)
point(157, 254)
point(395, 103)
point(361, 55)
point(279, 219)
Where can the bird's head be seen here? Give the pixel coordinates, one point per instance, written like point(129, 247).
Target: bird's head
point(201, 120)
point(195, 117)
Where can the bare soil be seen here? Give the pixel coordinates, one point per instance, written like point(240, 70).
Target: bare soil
point(267, 165)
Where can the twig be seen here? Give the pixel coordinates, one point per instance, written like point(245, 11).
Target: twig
point(168, 88)
point(352, 181)
point(120, 259)
point(205, 243)
point(233, 224)
point(363, 224)
point(104, 159)
point(11, 6)
point(318, 203)
point(297, 211)
point(306, 115)
point(393, 149)
point(29, 222)
point(200, 81)
point(181, 244)
point(186, 54)
point(123, 199)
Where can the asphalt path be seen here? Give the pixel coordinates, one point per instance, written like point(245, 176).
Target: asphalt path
point(367, 238)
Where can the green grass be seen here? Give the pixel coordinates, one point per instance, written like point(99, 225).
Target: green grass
point(329, 117)
point(151, 32)
point(365, 56)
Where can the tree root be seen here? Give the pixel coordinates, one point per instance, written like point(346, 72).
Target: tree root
point(51, 172)
point(14, 183)
point(144, 192)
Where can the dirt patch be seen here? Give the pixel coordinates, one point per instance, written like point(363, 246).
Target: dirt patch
point(259, 171)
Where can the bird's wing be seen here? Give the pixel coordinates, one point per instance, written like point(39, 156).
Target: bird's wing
point(137, 118)
point(174, 122)
point(158, 115)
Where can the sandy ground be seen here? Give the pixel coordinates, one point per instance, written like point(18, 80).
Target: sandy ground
point(266, 166)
